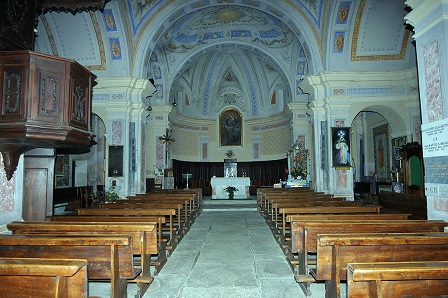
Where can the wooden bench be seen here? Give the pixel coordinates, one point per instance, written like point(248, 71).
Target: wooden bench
point(270, 203)
point(183, 218)
point(277, 216)
point(335, 252)
point(180, 222)
point(304, 235)
point(190, 204)
point(171, 238)
point(160, 259)
point(266, 198)
point(193, 195)
point(342, 216)
point(108, 257)
point(282, 238)
point(43, 277)
point(263, 192)
point(293, 261)
point(372, 216)
point(397, 279)
point(144, 237)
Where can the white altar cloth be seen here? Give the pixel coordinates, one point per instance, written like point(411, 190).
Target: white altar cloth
point(219, 183)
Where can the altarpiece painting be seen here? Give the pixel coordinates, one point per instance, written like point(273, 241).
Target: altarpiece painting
point(230, 125)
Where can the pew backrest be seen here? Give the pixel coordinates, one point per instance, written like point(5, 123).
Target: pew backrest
point(336, 251)
point(304, 233)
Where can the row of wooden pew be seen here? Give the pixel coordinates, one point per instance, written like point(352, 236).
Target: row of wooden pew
point(326, 239)
point(125, 242)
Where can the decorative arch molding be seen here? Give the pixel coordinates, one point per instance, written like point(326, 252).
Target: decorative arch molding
point(230, 96)
point(397, 123)
point(148, 34)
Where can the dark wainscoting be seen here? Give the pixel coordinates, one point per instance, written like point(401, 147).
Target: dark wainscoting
point(261, 173)
point(403, 203)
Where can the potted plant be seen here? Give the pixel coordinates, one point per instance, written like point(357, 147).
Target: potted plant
point(111, 196)
point(231, 191)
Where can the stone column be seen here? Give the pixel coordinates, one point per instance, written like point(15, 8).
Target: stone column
point(430, 22)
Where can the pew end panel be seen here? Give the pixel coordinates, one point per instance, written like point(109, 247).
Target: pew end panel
point(397, 279)
point(54, 277)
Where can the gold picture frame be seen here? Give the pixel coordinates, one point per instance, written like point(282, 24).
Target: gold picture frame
point(230, 125)
point(381, 151)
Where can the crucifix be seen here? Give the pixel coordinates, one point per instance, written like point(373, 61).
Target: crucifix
point(166, 139)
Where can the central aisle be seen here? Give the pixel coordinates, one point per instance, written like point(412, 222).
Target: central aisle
point(228, 252)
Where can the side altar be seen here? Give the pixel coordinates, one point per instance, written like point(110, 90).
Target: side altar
point(220, 183)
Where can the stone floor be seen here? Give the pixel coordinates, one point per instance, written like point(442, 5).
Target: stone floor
point(228, 252)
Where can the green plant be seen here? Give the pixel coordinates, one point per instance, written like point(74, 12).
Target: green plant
point(230, 189)
point(111, 195)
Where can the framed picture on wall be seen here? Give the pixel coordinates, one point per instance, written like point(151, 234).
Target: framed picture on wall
point(62, 171)
point(341, 146)
point(115, 161)
point(230, 126)
point(381, 151)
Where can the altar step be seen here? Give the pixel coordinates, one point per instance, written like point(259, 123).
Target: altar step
point(249, 204)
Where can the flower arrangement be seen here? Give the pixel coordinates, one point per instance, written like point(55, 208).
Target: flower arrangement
point(299, 161)
point(111, 195)
point(229, 153)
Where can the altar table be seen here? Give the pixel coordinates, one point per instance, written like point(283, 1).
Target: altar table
point(219, 183)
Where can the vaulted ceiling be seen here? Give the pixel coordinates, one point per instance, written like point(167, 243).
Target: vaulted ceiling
point(206, 54)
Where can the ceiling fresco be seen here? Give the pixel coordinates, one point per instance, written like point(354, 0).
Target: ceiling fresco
point(189, 47)
point(230, 22)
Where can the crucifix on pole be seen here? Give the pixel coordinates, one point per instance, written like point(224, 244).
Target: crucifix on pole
point(166, 139)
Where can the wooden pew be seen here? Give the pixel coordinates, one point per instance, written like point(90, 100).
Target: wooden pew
point(160, 259)
point(267, 209)
point(335, 252)
point(144, 237)
point(108, 257)
point(43, 277)
point(171, 239)
point(372, 216)
point(183, 217)
point(180, 218)
point(189, 201)
point(265, 198)
point(277, 216)
point(263, 192)
point(397, 279)
point(292, 258)
point(177, 193)
point(322, 210)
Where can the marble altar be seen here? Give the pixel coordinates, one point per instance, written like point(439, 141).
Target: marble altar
point(220, 183)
